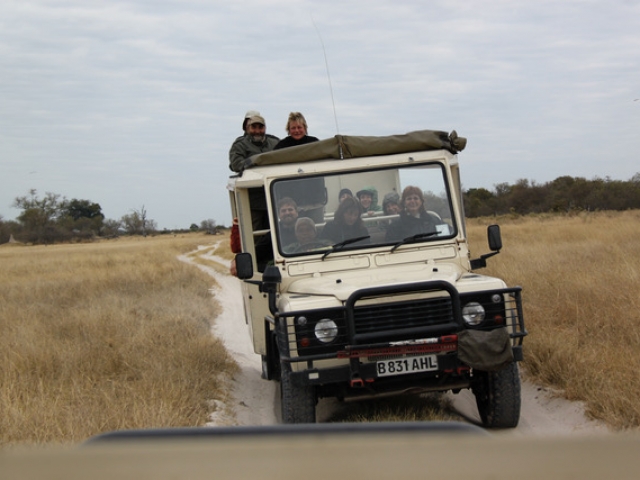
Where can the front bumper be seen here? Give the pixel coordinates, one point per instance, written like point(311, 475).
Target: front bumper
point(428, 324)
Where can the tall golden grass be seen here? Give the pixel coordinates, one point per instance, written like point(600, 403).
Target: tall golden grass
point(106, 336)
point(581, 291)
point(115, 335)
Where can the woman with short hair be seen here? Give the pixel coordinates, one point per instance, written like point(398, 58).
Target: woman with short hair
point(297, 130)
point(414, 218)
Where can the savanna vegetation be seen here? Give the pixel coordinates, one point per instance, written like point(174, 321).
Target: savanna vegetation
point(106, 336)
point(115, 334)
point(564, 194)
point(580, 275)
point(52, 218)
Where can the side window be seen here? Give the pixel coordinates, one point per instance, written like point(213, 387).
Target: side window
point(258, 205)
point(260, 225)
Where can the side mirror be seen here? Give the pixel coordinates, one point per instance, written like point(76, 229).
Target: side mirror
point(494, 238)
point(244, 266)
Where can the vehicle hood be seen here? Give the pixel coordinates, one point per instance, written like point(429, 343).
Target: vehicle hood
point(342, 284)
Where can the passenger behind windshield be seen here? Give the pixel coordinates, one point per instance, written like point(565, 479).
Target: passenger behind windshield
point(414, 218)
point(347, 223)
point(368, 198)
point(287, 216)
point(306, 238)
point(344, 193)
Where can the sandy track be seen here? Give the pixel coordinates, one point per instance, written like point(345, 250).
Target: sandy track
point(256, 401)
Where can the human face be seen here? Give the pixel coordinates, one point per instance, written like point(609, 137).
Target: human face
point(343, 196)
point(288, 215)
point(305, 233)
point(365, 200)
point(412, 204)
point(350, 216)
point(393, 209)
point(297, 130)
point(257, 131)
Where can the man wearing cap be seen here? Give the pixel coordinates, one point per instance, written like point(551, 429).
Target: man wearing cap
point(245, 130)
point(247, 116)
point(256, 140)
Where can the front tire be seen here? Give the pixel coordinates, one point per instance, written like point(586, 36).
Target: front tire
point(498, 397)
point(298, 402)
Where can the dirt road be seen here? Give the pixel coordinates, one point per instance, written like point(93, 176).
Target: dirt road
point(256, 401)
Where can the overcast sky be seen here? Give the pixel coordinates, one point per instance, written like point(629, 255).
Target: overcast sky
point(135, 103)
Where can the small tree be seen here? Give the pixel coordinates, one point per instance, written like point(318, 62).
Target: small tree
point(40, 215)
point(209, 226)
point(137, 223)
point(83, 217)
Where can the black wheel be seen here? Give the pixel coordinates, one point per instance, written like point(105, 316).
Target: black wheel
point(498, 397)
point(298, 401)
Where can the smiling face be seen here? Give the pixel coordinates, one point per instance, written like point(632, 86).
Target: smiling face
point(297, 130)
point(257, 131)
point(413, 204)
point(288, 215)
point(392, 208)
point(365, 200)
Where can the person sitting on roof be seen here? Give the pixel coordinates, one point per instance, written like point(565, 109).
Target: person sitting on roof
point(297, 130)
point(255, 141)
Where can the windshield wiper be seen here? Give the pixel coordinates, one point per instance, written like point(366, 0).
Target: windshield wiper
point(414, 239)
point(341, 245)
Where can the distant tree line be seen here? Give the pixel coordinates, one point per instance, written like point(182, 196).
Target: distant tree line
point(564, 194)
point(54, 219)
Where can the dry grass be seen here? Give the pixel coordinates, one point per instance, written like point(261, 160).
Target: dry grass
point(116, 335)
point(581, 278)
point(106, 336)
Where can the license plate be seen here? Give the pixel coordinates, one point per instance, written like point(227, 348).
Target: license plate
point(402, 366)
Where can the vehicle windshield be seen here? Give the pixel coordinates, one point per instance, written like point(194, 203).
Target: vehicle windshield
point(365, 209)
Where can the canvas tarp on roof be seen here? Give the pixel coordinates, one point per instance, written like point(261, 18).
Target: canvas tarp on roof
point(346, 146)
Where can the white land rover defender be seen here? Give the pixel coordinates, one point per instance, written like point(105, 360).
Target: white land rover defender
point(396, 309)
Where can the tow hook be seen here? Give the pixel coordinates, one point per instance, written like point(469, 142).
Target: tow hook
point(357, 383)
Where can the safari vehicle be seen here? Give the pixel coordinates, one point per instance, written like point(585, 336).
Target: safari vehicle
point(379, 313)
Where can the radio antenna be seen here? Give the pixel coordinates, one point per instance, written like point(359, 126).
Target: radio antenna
point(326, 64)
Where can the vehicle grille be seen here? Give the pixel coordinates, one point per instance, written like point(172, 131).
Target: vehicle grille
point(402, 319)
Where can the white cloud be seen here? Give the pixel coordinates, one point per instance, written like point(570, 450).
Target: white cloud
point(128, 103)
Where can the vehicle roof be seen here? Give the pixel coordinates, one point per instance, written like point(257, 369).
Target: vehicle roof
point(349, 146)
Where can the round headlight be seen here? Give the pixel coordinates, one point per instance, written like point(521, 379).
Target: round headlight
point(301, 321)
point(473, 313)
point(326, 330)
